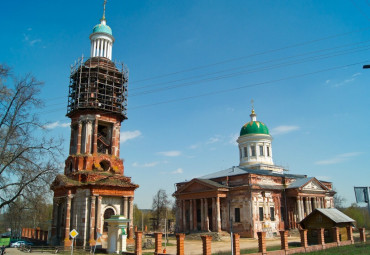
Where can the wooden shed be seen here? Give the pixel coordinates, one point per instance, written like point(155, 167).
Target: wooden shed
point(326, 218)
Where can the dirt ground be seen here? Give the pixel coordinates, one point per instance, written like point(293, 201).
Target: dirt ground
point(194, 247)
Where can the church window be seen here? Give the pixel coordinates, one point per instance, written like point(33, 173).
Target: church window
point(261, 213)
point(268, 151)
point(245, 152)
point(240, 152)
point(237, 214)
point(272, 213)
point(74, 135)
point(107, 214)
point(261, 150)
point(105, 138)
point(253, 149)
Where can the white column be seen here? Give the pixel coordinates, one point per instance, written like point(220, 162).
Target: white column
point(98, 48)
point(218, 215)
point(106, 49)
point(109, 50)
point(91, 48)
point(299, 208)
point(103, 48)
point(94, 48)
point(101, 51)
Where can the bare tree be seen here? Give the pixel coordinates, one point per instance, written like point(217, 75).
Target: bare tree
point(28, 159)
point(160, 206)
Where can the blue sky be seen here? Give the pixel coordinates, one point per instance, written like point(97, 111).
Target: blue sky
point(194, 68)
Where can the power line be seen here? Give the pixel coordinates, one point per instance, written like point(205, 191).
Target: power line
point(360, 10)
point(244, 72)
point(247, 86)
point(264, 68)
point(244, 66)
point(252, 55)
point(233, 89)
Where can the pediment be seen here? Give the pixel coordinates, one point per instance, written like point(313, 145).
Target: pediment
point(314, 185)
point(199, 185)
point(195, 187)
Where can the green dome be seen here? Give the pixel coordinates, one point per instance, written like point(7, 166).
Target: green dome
point(254, 127)
point(101, 28)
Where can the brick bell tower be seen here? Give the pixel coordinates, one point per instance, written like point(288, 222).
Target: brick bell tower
point(93, 186)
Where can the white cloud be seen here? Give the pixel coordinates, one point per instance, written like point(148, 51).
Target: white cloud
point(194, 146)
point(346, 81)
point(323, 178)
point(33, 42)
point(279, 130)
point(56, 124)
point(170, 153)
point(129, 135)
point(151, 164)
point(177, 171)
point(213, 139)
point(338, 158)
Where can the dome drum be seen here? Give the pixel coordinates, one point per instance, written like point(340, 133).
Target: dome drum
point(255, 143)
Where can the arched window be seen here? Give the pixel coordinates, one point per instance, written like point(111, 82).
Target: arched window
point(107, 214)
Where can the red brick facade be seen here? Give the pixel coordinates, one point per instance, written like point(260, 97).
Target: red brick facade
point(258, 201)
point(93, 186)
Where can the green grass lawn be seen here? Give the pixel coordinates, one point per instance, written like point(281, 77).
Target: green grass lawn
point(348, 250)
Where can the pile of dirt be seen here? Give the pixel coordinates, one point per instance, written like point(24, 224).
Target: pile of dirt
point(216, 236)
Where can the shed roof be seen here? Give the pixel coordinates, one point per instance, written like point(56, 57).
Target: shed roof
point(335, 215)
point(332, 213)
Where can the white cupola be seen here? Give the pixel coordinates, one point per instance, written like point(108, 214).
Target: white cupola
point(255, 143)
point(102, 39)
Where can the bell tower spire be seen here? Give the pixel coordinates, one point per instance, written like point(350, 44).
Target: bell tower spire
point(102, 38)
point(105, 2)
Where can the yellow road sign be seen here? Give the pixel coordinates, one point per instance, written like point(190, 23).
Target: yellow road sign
point(73, 233)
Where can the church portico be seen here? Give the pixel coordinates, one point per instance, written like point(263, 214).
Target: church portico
point(200, 214)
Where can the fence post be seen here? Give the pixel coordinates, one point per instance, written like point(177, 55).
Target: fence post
point(284, 240)
point(180, 244)
point(236, 244)
point(158, 243)
point(321, 237)
point(262, 242)
point(336, 235)
point(362, 235)
point(350, 234)
point(206, 245)
point(304, 242)
point(138, 242)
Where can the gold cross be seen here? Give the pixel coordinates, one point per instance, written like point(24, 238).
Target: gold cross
point(105, 2)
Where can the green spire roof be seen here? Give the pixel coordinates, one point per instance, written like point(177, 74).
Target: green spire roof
point(254, 126)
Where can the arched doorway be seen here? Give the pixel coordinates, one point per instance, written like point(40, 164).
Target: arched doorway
point(109, 212)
